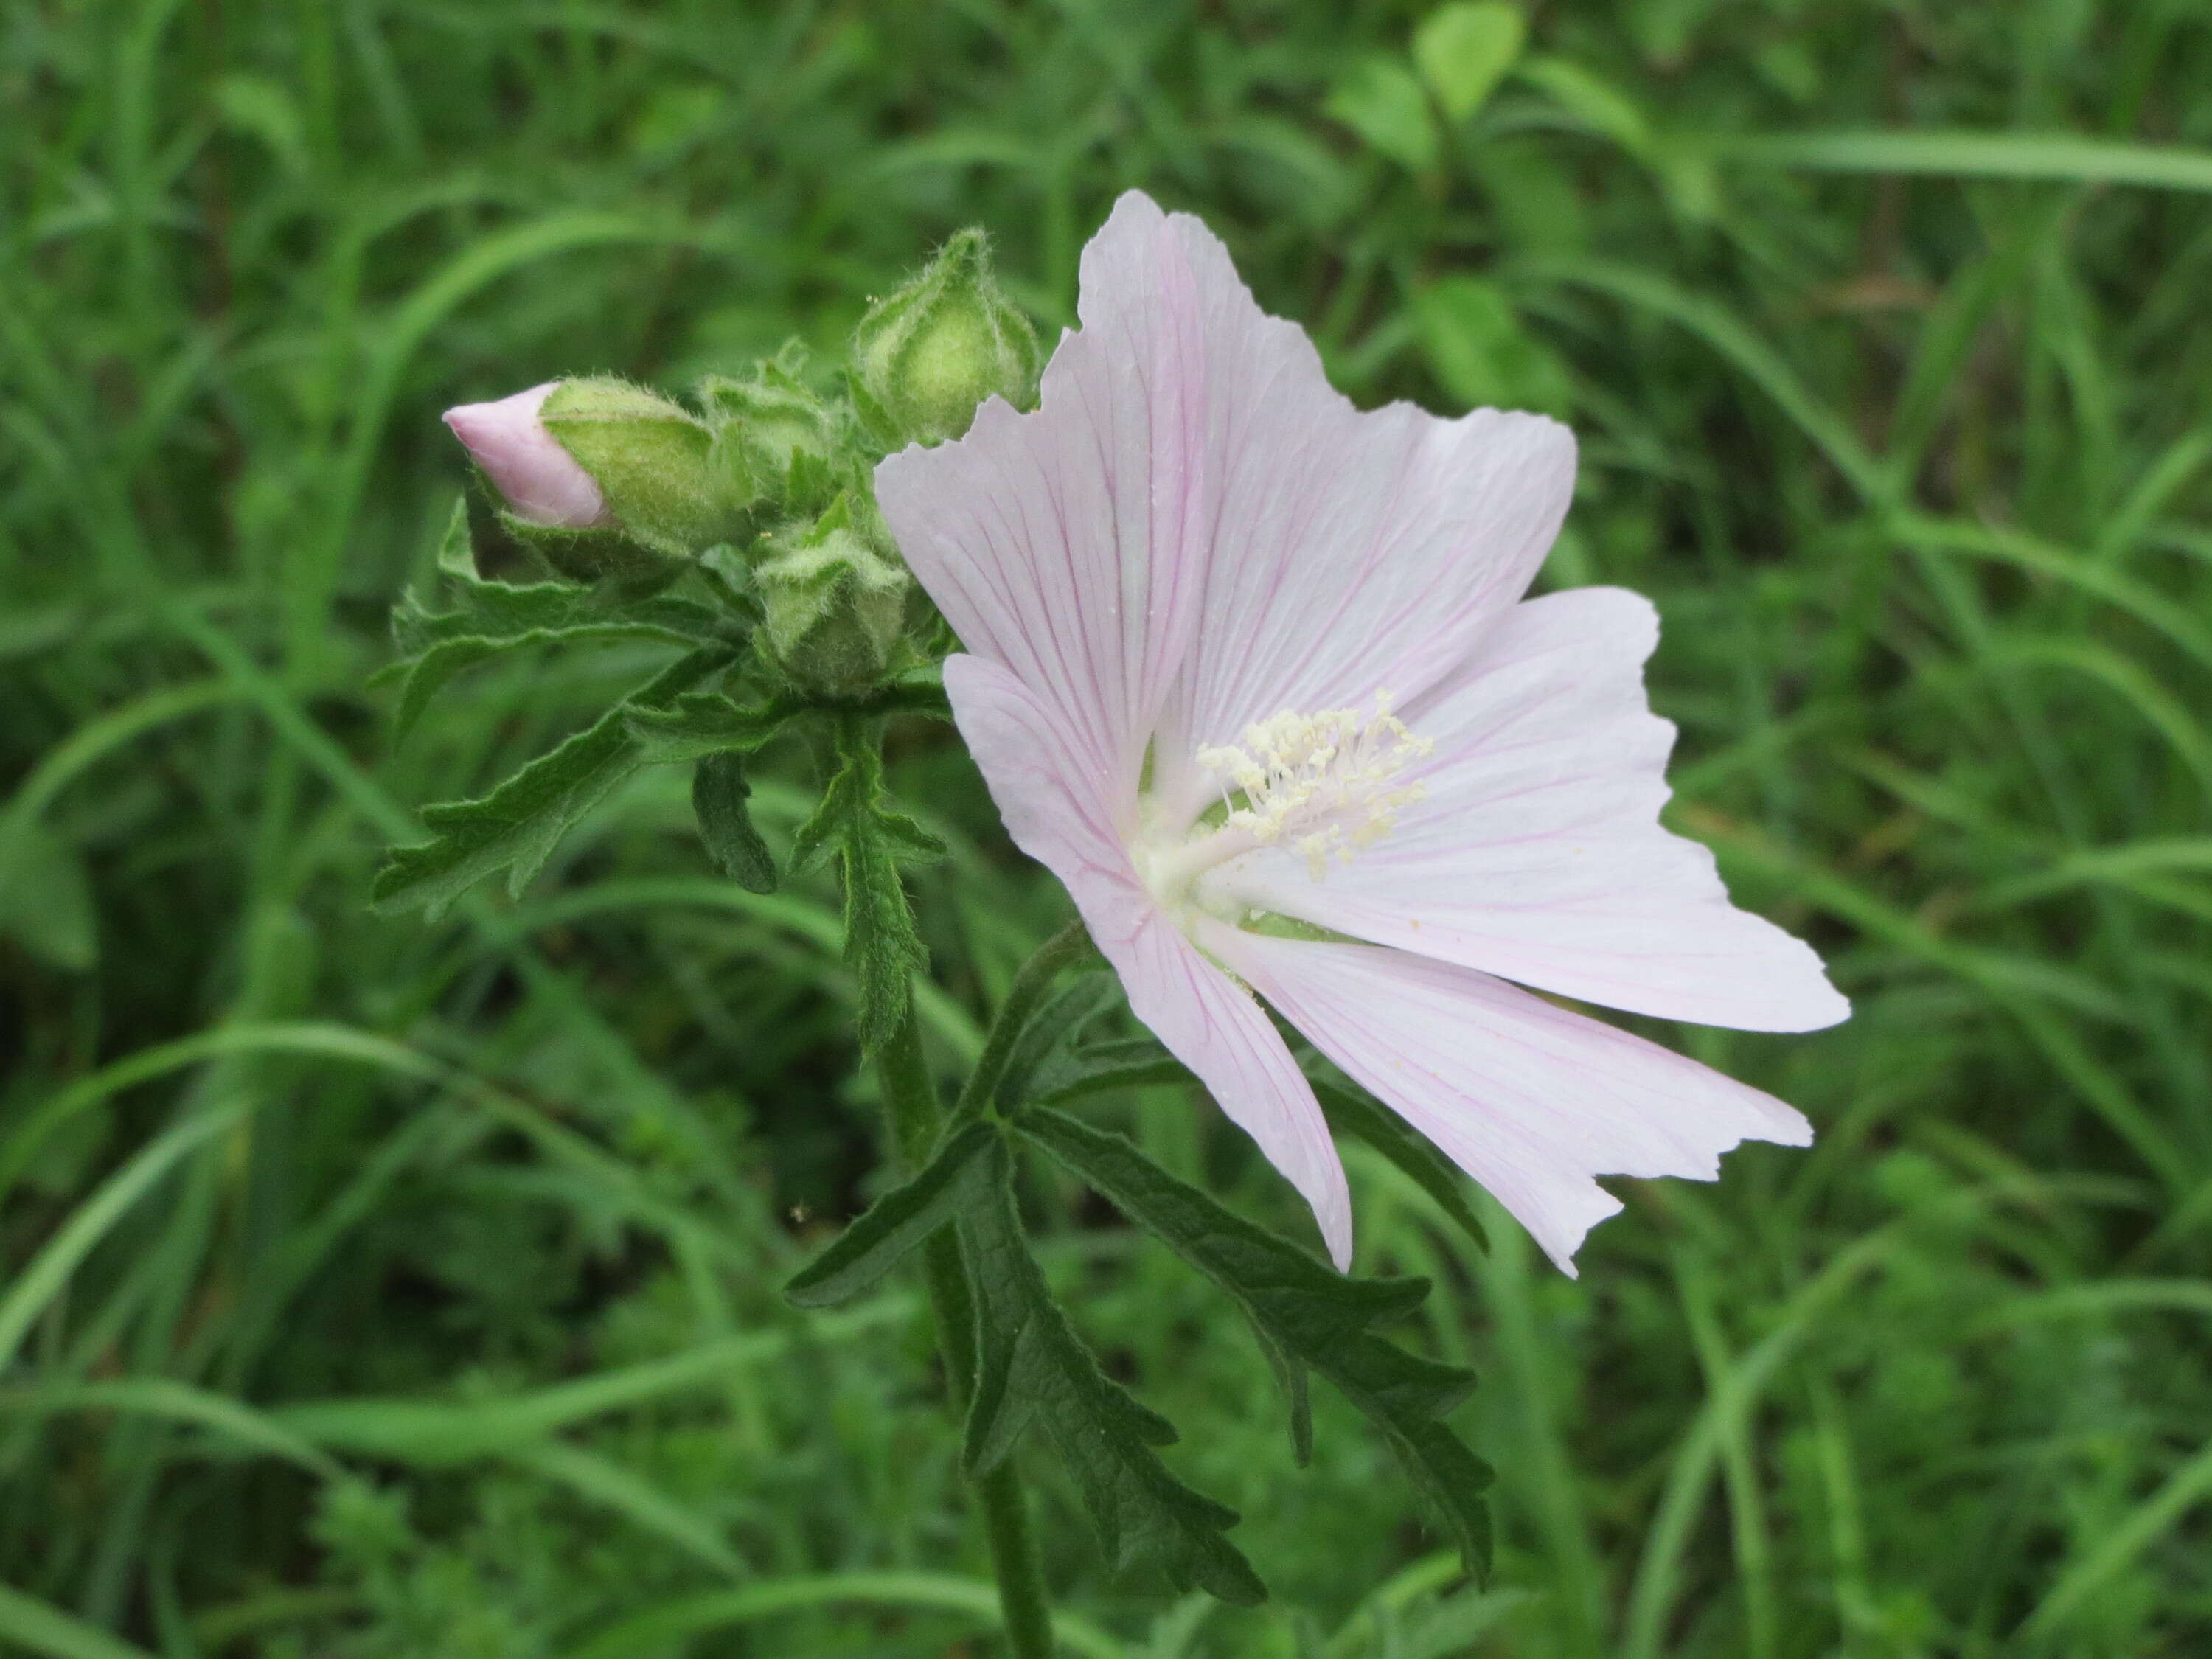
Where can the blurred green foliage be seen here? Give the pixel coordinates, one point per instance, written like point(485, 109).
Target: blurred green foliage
point(379, 1289)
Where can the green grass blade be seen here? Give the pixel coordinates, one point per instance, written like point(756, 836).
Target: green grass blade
point(93, 1219)
point(39, 1628)
point(973, 1598)
point(2055, 157)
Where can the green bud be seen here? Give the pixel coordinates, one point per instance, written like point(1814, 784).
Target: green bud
point(834, 599)
point(774, 441)
point(926, 356)
point(650, 458)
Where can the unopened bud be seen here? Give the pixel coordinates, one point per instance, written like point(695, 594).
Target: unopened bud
point(542, 482)
point(927, 355)
point(774, 440)
point(834, 601)
point(649, 456)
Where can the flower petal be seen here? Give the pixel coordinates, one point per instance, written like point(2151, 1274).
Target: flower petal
point(1190, 458)
point(541, 481)
point(1215, 1026)
point(1065, 545)
point(1529, 1099)
point(1537, 852)
point(1054, 809)
point(1352, 553)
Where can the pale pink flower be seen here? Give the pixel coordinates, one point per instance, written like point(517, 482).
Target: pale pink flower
point(1242, 651)
point(542, 482)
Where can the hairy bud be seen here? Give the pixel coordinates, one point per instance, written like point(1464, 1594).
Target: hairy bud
point(542, 483)
point(775, 442)
point(834, 599)
point(650, 459)
point(926, 356)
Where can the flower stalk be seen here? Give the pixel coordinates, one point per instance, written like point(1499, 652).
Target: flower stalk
point(911, 1103)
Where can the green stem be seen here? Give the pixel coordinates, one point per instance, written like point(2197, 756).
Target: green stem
point(910, 1097)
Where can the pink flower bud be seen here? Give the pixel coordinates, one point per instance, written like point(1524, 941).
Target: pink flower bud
point(542, 482)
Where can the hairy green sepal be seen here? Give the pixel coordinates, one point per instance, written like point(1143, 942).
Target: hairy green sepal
point(835, 600)
point(775, 442)
point(652, 459)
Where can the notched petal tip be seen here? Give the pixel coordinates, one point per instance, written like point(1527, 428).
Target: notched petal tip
point(1564, 1226)
point(1792, 1128)
point(1798, 996)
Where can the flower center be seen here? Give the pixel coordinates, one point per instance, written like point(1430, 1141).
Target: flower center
point(1321, 784)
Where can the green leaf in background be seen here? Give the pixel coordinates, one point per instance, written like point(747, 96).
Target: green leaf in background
point(870, 843)
point(259, 108)
point(1539, 207)
point(517, 826)
point(1681, 166)
point(720, 799)
point(1665, 30)
point(1034, 1368)
point(1315, 1316)
point(45, 899)
point(1591, 99)
point(1464, 51)
point(896, 1223)
point(39, 1627)
point(1382, 100)
point(1475, 344)
point(1353, 1112)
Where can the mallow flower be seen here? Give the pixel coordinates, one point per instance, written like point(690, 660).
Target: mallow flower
point(542, 482)
point(1253, 673)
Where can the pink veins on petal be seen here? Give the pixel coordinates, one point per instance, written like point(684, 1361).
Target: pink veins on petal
point(1238, 650)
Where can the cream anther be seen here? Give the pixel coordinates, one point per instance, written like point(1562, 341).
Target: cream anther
point(1321, 783)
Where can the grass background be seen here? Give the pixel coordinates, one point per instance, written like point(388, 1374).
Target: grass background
point(376, 1289)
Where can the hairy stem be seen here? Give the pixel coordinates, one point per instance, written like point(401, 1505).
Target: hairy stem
point(911, 1098)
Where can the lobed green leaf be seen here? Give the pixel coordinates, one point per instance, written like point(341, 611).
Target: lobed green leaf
point(1291, 1376)
point(1034, 1368)
point(517, 826)
point(896, 1223)
point(1316, 1318)
point(720, 799)
point(421, 678)
point(704, 723)
point(488, 618)
point(1097, 1068)
point(1048, 1037)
